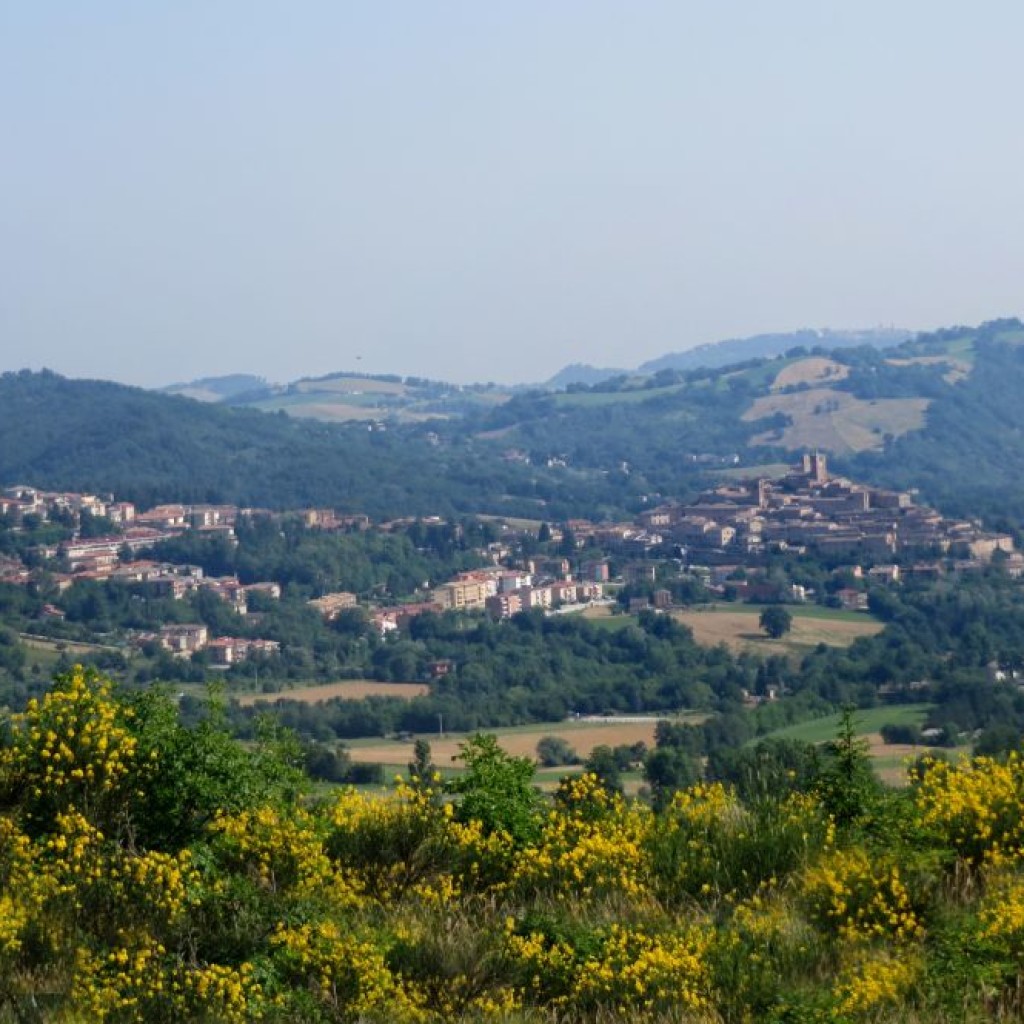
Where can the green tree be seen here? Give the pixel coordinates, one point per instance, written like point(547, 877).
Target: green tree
point(846, 784)
point(603, 763)
point(553, 751)
point(423, 774)
point(667, 769)
point(497, 789)
point(776, 621)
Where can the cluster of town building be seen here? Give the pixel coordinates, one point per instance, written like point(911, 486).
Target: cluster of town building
point(113, 557)
point(831, 517)
point(542, 583)
point(866, 530)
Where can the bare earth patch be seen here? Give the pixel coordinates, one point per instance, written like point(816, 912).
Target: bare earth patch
point(739, 631)
point(813, 370)
point(836, 420)
point(347, 689)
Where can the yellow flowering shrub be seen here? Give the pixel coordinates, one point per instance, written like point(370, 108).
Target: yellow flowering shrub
point(1001, 915)
point(74, 747)
point(347, 974)
point(389, 846)
point(760, 950)
point(24, 889)
point(592, 844)
point(861, 897)
point(769, 922)
point(977, 808)
point(546, 965)
point(636, 969)
point(479, 859)
point(614, 968)
point(283, 852)
point(875, 979)
point(404, 908)
point(140, 983)
point(688, 837)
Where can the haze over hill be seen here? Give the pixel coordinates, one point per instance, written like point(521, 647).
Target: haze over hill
point(939, 412)
point(347, 395)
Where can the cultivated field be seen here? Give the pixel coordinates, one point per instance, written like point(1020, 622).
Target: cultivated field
point(352, 386)
point(836, 420)
point(957, 369)
point(347, 689)
point(814, 370)
point(769, 470)
point(737, 628)
point(890, 760)
point(583, 736)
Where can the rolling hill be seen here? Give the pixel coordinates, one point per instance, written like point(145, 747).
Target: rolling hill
point(939, 412)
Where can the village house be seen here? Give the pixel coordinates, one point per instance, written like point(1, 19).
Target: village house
point(183, 639)
point(230, 650)
point(505, 604)
point(330, 606)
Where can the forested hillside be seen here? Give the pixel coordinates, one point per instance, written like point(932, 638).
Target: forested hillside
point(939, 413)
point(147, 448)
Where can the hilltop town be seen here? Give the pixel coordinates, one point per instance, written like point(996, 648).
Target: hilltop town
point(722, 541)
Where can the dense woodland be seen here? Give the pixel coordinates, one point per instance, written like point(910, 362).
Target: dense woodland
point(147, 448)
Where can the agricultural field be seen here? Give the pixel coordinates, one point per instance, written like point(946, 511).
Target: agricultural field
point(769, 470)
point(736, 626)
point(890, 760)
point(520, 741)
point(836, 420)
point(867, 722)
point(956, 369)
point(605, 615)
point(321, 409)
point(590, 399)
point(347, 689)
point(351, 386)
point(813, 370)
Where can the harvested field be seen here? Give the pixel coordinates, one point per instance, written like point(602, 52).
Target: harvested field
point(347, 689)
point(520, 742)
point(835, 420)
point(351, 386)
point(333, 411)
point(814, 370)
point(891, 760)
point(957, 369)
point(43, 643)
point(737, 628)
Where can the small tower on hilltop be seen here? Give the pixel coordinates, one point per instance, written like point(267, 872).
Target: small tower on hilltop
point(763, 490)
point(815, 467)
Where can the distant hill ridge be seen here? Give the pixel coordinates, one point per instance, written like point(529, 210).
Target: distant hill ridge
point(242, 388)
point(940, 412)
point(217, 389)
point(737, 350)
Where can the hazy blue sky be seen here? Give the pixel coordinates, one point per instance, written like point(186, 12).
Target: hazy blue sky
point(484, 190)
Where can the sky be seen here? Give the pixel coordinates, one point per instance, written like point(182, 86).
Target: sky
point(488, 191)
